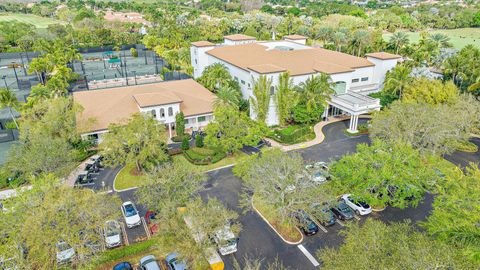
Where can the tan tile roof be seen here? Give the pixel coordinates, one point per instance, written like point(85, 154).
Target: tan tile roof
point(154, 99)
point(294, 37)
point(114, 105)
point(266, 68)
point(202, 44)
point(383, 55)
point(297, 62)
point(239, 37)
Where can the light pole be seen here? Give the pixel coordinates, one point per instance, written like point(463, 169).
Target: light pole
point(15, 71)
point(5, 81)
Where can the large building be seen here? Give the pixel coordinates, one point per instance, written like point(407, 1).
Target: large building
point(248, 59)
point(162, 100)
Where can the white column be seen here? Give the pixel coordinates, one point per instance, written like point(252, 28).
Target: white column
point(326, 112)
point(353, 124)
point(170, 130)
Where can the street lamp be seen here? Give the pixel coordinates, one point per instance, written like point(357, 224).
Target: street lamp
point(5, 81)
point(15, 71)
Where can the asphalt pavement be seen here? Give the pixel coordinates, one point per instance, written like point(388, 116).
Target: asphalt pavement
point(257, 239)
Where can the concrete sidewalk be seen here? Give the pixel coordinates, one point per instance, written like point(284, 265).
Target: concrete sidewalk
point(319, 136)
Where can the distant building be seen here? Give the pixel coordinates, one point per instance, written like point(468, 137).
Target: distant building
point(133, 17)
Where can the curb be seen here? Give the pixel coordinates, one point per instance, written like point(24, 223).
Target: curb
point(220, 168)
point(284, 240)
point(120, 190)
point(378, 210)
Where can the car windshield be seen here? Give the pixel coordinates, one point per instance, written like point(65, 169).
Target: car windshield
point(111, 230)
point(363, 204)
point(130, 210)
point(317, 174)
point(343, 207)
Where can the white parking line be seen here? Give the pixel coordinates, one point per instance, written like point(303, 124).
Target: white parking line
point(320, 226)
point(125, 236)
point(308, 255)
point(147, 231)
point(340, 223)
point(356, 217)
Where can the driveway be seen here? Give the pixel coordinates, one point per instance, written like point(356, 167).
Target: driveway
point(463, 159)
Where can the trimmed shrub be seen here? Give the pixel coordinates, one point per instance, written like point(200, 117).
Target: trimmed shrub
point(180, 138)
point(203, 156)
point(199, 141)
point(185, 143)
point(293, 134)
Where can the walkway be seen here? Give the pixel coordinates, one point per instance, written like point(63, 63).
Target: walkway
point(319, 136)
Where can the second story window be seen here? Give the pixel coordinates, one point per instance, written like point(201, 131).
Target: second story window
point(272, 90)
point(242, 81)
point(364, 79)
point(162, 113)
point(170, 111)
point(355, 80)
point(154, 113)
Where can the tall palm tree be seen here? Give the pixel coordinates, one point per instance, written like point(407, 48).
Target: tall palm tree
point(397, 79)
point(359, 41)
point(9, 100)
point(227, 96)
point(442, 40)
point(339, 38)
point(316, 90)
point(261, 102)
point(215, 76)
point(285, 97)
point(398, 41)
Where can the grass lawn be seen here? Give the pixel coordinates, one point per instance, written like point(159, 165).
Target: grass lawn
point(293, 134)
point(458, 37)
point(288, 232)
point(39, 22)
point(125, 179)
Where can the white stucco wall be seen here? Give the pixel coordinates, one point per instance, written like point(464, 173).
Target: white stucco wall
point(237, 42)
point(199, 59)
point(381, 68)
point(167, 118)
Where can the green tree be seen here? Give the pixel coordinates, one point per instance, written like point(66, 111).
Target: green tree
point(277, 179)
point(142, 140)
point(315, 91)
point(227, 96)
point(260, 103)
point(9, 100)
point(199, 141)
point(180, 124)
point(185, 144)
point(423, 90)
point(384, 174)
point(398, 40)
point(454, 218)
point(435, 129)
point(397, 79)
point(285, 97)
point(395, 246)
point(52, 212)
point(231, 129)
point(215, 76)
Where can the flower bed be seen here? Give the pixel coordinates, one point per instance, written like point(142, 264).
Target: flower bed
point(293, 134)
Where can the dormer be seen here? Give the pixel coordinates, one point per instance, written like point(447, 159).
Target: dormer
point(238, 39)
point(296, 38)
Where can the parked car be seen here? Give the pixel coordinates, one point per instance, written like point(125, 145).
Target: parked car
point(306, 223)
point(98, 160)
point(359, 207)
point(91, 166)
point(130, 213)
point(65, 253)
point(319, 177)
point(226, 241)
point(123, 266)
point(84, 178)
point(342, 211)
point(318, 165)
point(323, 215)
point(112, 233)
point(173, 263)
point(149, 263)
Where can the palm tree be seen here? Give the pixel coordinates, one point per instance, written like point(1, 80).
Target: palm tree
point(261, 102)
point(360, 39)
point(285, 97)
point(397, 79)
point(339, 38)
point(9, 100)
point(398, 41)
point(215, 76)
point(442, 40)
point(316, 90)
point(227, 96)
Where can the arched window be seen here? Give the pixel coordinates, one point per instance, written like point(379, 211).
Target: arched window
point(170, 111)
point(154, 113)
point(162, 113)
point(272, 90)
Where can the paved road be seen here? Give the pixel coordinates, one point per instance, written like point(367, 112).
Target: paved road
point(257, 239)
point(463, 159)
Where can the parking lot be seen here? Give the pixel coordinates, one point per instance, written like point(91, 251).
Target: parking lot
point(257, 239)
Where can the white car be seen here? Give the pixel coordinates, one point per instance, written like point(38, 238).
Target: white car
point(317, 165)
point(65, 253)
point(112, 233)
point(360, 208)
point(226, 241)
point(319, 177)
point(130, 213)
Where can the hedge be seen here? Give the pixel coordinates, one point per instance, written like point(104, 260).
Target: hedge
point(293, 134)
point(180, 137)
point(116, 254)
point(203, 156)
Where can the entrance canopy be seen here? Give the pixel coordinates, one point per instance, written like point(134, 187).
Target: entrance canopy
point(354, 103)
